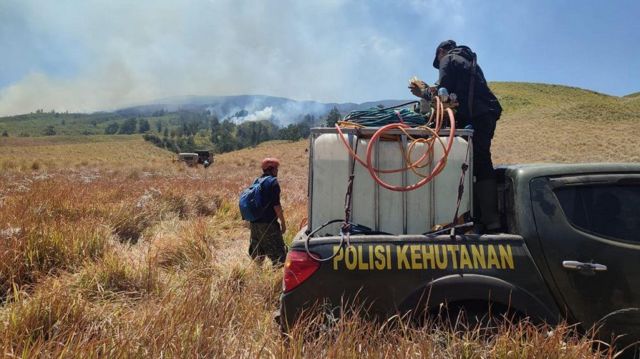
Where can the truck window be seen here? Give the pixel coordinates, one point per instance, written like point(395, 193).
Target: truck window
point(605, 210)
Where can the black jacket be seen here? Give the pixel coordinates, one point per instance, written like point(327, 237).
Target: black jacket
point(271, 196)
point(456, 69)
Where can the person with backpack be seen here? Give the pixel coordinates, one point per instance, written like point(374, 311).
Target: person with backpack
point(478, 109)
point(260, 205)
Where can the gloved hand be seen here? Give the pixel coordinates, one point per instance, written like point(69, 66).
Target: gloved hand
point(418, 87)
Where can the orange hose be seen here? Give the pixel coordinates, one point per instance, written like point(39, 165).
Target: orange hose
point(434, 172)
point(412, 165)
point(363, 163)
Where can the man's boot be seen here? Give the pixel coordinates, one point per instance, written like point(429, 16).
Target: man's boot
point(486, 193)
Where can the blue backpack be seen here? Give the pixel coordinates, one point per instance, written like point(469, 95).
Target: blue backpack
point(252, 200)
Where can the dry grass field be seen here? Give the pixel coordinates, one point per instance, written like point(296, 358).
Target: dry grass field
point(546, 123)
point(60, 152)
point(110, 249)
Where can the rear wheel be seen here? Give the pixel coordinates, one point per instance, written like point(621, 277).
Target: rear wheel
point(476, 315)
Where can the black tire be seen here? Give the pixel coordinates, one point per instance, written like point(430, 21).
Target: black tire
point(476, 315)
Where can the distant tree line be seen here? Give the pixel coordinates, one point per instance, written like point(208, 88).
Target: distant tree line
point(183, 130)
point(128, 127)
point(186, 131)
point(225, 136)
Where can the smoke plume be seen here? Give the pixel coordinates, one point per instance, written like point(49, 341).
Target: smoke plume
point(102, 55)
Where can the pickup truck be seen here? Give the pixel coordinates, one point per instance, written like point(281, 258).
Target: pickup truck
point(570, 251)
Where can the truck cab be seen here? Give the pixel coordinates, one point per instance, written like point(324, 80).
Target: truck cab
point(582, 225)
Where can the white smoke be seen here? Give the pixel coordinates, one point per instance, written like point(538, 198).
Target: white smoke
point(101, 55)
point(264, 114)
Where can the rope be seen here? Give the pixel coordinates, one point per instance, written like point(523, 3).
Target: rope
point(346, 226)
point(380, 117)
point(413, 165)
point(464, 168)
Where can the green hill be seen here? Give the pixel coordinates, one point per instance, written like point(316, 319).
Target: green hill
point(68, 124)
point(568, 101)
point(551, 123)
point(540, 122)
point(553, 101)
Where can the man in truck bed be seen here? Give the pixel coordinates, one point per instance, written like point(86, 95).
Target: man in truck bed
point(479, 108)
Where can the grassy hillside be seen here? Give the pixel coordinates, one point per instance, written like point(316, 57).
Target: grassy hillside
point(548, 123)
point(64, 152)
point(108, 248)
point(65, 124)
point(519, 99)
point(540, 123)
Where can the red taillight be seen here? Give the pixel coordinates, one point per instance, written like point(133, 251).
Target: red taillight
point(298, 267)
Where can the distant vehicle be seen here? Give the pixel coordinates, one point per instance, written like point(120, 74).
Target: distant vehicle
point(193, 159)
point(570, 251)
point(205, 158)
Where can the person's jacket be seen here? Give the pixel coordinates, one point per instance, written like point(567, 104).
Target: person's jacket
point(456, 68)
point(271, 196)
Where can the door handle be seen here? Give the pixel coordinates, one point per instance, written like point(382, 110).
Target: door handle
point(584, 268)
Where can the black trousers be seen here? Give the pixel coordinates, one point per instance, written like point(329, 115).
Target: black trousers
point(484, 127)
point(266, 241)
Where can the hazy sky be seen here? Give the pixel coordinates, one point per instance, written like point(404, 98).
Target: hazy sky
point(88, 55)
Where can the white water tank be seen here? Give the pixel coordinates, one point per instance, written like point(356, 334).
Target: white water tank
point(374, 206)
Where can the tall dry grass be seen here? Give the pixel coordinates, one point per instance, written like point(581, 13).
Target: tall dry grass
point(111, 260)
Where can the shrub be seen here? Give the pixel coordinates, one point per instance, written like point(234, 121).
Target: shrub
point(51, 315)
point(49, 131)
point(153, 139)
point(129, 222)
point(112, 128)
point(128, 126)
point(183, 253)
point(116, 275)
point(206, 206)
point(31, 253)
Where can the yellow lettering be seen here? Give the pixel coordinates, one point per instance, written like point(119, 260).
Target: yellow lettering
point(427, 257)
point(403, 262)
point(380, 263)
point(338, 256)
point(415, 256)
point(506, 257)
point(465, 260)
point(453, 249)
point(362, 265)
point(441, 261)
point(477, 252)
point(351, 261)
point(493, 257)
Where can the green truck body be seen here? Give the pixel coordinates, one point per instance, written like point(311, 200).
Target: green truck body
point(570, 251)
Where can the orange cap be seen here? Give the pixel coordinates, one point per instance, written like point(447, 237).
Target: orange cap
point(270, 162)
